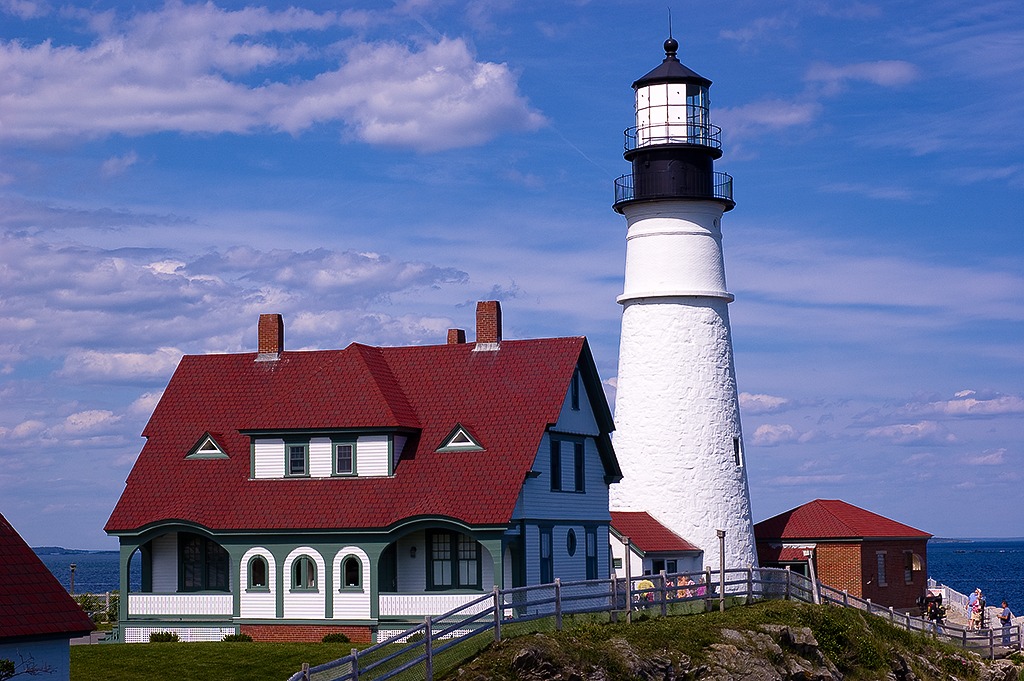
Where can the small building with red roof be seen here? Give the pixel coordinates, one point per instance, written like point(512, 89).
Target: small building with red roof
point(848, 548)
point(641, 545)
point(289, 494)
point(38, 618)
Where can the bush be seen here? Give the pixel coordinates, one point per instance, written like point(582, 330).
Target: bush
point(237, 638)
point(336, 637)
point(164, 637)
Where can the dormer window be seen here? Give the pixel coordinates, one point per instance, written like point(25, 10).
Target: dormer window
point(344, 458)
point(207, 448)
point(460, 440)
point(297, 459)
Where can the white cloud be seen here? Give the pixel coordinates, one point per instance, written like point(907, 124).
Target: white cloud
point(966, 405)
point(118, 164)
point(771, 435)
point(923, 432)
point(87, 422)
point(993, 458)
point(95, 365)
point(145, 404)
point(763, 404)
point(24, 9)
point(184, 68)
point(892, 73)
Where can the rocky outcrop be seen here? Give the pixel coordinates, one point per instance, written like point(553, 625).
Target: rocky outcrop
point(770, 652)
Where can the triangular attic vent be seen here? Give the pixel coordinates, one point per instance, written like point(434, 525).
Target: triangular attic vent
point(459, 440)
point(207, 448)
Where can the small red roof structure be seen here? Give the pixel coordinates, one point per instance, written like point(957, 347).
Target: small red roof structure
point(833, 519)
point(33, 604)
point(647, 534)
point(848, 548)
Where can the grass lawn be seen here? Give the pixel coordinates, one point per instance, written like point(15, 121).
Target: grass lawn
point(199, 661)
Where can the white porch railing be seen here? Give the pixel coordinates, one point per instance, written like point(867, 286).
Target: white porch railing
point(418, 605)
point(180, 604)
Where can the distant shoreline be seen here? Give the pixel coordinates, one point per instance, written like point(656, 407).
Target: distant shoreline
point(61, 551)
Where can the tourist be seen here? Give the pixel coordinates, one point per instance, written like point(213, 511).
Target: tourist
point(972, 601)
point(1005, 617)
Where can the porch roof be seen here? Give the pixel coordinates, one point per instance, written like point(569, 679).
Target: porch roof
point(647, 534)
point(509, 396)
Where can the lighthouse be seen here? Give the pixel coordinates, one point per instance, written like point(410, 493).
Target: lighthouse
point(678, 436)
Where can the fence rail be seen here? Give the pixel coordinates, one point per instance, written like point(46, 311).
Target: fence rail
point(444, 641)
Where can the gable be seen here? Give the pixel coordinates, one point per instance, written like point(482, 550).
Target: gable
point(32, 601)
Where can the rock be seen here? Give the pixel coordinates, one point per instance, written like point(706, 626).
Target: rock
point(999, 670)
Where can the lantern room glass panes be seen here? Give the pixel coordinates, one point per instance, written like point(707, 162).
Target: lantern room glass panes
point(673, 113)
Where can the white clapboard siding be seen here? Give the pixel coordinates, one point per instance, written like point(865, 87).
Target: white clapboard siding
point(412, 571)
point(350, 604)
point(269, 455)
point(165, 563)
point(258, 604)
point(305, 604)
point(321, 464)
point(372, 455)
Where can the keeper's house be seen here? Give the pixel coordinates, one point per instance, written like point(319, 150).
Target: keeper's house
point(848, 548)
point(287, 495)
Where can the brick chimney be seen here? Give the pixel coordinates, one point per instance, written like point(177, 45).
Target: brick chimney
point(456, 336)
point(488, 325)
point(271, 337)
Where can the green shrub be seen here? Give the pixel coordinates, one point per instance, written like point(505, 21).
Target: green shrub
point(335, 637)
point(237, 638)
point(164, 637)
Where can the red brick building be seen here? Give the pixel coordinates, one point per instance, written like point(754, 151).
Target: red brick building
point(849, 548)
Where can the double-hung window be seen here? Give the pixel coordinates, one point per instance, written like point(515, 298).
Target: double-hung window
point(296, 458)
point(454, 561)
point(344, 458)
point(561, 448)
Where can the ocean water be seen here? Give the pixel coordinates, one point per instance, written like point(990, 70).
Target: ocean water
point(996, 566)
point(95, 571)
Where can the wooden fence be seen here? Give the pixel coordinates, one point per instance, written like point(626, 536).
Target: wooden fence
point(442, 642)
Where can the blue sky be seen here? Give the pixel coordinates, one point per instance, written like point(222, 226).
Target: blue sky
point(370, 170)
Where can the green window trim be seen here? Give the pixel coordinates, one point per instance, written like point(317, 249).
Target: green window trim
point(252, 572)
point(303, 575)
point(293, 457)
point(351, 574)
point(454, 561)
point(337, 447)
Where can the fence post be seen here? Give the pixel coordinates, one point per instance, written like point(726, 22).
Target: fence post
point(892, 615)
point(846, 598)
point(558, 604)
point(497, 614)
point(355, 664)
point(629, 599)
point(428, 632)
point(868, 600)
point(707, 589)
point(664, 596)
point(615, 599)
point(788, 576)
point(305, 671)
point(991, 644)
point(750, 584)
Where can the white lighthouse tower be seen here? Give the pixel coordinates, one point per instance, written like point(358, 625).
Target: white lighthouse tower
point(678, 436)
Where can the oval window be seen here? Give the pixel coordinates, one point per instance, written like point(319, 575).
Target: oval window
point(570, 542)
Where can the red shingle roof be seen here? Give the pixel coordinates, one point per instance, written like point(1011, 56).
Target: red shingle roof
point(509, 396)
point(32, 601)
point(832, 519)
point(647, 534)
